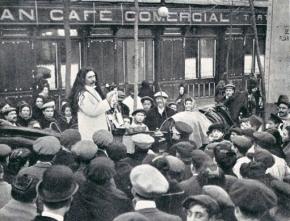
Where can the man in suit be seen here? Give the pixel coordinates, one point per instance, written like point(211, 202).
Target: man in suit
point(147, 185)
point(56, 200)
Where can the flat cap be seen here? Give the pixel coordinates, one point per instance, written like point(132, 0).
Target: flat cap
point(69, 137)
point(138, 111)
point(131, 216)
point(100, 169)
point(183, 128)
point(184, 149)
point(230, 85)
point(148, 182)
point(48, 145)
point(175, 164)
point(255, 120)
point(264, 157)
point(251, 195)
point(5, 150)
point(243, 143)
point(200, 159)
point(218, 194)
point(7, 110)
point(282, 190)
point(102, 138)
point(85, 149)
point(249, 132)
point(161, 94)
point(264, 139)
point(143, 141)
point(203, 200)
point(216, 126)
point(147, 98)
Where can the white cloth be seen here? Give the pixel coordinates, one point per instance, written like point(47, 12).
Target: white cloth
point(280, 169)
point(129, 101)
point(237, 166)
point(92, 113)
point(145, 204)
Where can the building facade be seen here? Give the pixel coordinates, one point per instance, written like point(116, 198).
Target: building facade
point(195, 44)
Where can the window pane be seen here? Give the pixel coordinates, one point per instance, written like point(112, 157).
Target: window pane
point(248, 58)
point(190, 58)
point(207, 58)
point(262, 45)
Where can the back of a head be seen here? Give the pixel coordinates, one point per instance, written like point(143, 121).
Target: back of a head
point(117, 151)
point(131, 216)
point(102, 138)
point(69, 137)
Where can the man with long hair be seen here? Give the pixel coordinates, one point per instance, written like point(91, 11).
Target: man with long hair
point(89, 103)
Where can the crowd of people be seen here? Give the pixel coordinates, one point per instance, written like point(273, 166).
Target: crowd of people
point(111, 162)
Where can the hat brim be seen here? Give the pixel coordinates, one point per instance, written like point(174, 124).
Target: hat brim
point(47, 196)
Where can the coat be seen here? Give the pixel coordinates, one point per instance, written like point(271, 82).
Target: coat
point(43, 218)
point(154, 214)
point(98, 202)
point(91, 113)
point(17, 211)
point(5, 193)
point(154, 120)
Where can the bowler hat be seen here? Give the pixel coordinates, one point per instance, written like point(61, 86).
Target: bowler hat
point(57, 184)
point(203, 200)
point(282, 99)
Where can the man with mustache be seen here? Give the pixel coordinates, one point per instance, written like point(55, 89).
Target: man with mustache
point(10, 116)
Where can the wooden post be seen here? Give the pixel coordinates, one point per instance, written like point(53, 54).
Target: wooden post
point(262, 74)
point(136, 53)
point(68, 51)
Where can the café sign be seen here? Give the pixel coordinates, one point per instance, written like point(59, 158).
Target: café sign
point(125, 16)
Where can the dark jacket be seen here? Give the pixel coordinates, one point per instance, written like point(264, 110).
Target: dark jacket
point(23, 122)
point(154, 214)
point(135, 159)
point(154, 120)
point(43, 218)
point(98, 202)
point(64, 124)
point(145, 90)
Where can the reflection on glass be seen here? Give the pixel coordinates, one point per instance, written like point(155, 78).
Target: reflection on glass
point(248, 63)
point(207, 53)
point(190, 59)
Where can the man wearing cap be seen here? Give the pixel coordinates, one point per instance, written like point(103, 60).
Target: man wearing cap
point(252, 199)
point(10, 117)
point(142, 143)
point(147, 185)
point(216, 132)
point(147, 103)
point(102, 138)
point(22, 206)
point(181, 131)
point(49, 118)
point(56, 191)
point(201, 208)
point(45, 148)
point(137, 121)
point(97, 198)
point(157, 115)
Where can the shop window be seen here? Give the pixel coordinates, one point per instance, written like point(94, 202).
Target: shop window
point(101, 58)
point(199, 58)
point(145, 61)
point(262, 45)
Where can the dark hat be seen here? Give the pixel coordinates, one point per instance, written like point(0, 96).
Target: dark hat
point(139, 111)
point(48, 145)
point(148, 182)
point(275, 119)
point(200, 159)
point(264, 157)
point(57, 184)
point(275, 132)
point(100, 169)
point(5, 150)
point(243, 143)
point(255, 121)
point(184, 149)
point(102, 138)
point(69, 137)
point(252, 83)
point(85, 149)
point(251, 195)
point(183, 128)
point(253, 170)
point(264, 139)
point(204, 200)
point(25, 184)
point(237, 130)
point(143, 141)
point(131, 216)
point(216, 126)
point(282, 190)
point(282, 99)
point(117, 151)
point(225, 155)
point(248, 132)
point(146, 98)
point(218, 194)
